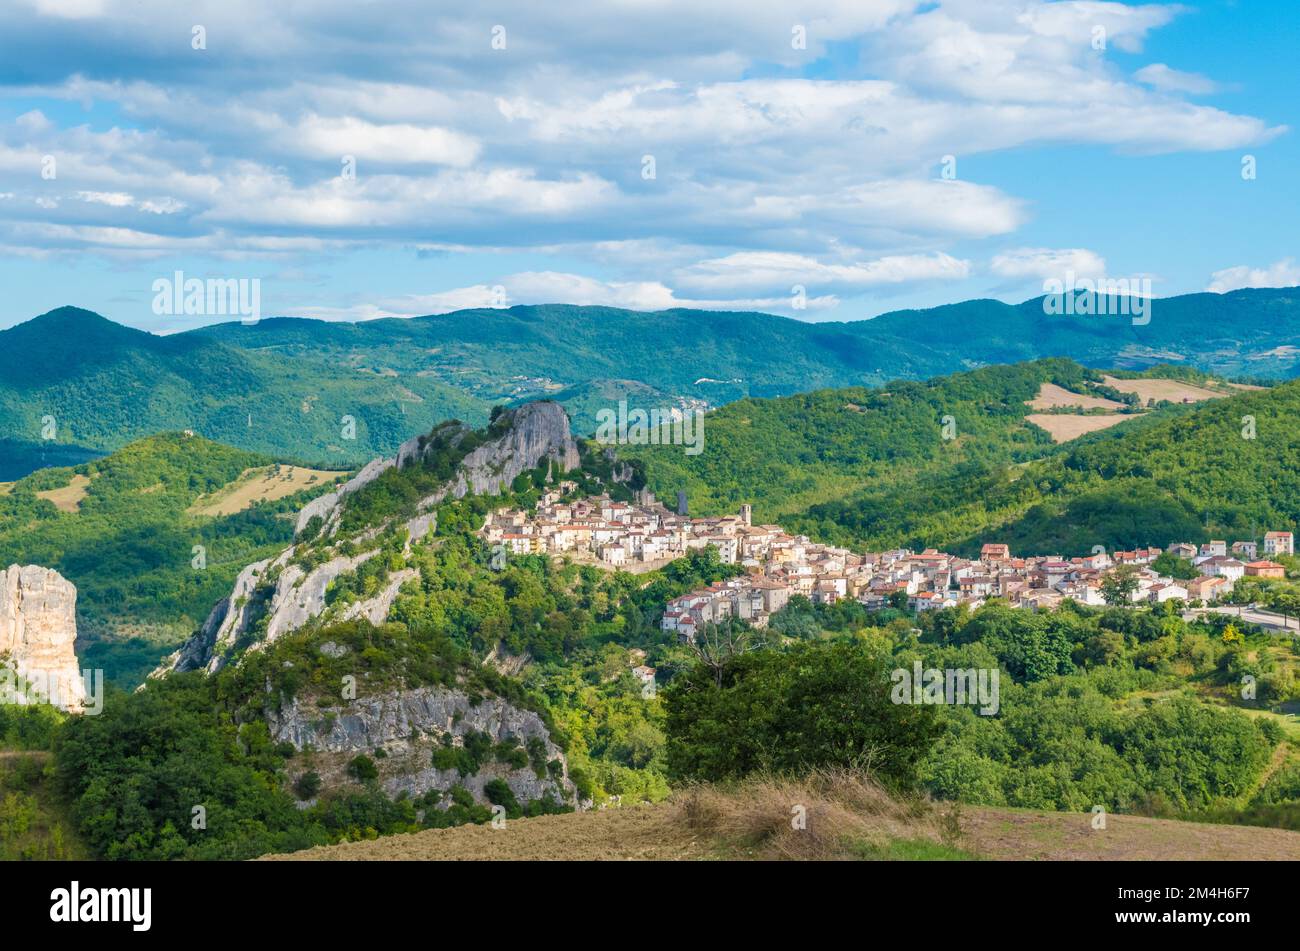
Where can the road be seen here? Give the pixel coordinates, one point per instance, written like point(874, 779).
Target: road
point(1250, 614)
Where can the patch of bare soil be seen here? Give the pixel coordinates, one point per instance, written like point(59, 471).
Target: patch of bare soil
point(1051, 396)
point(1173, 390)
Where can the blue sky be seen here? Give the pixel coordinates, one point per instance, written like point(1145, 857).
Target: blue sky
point(1103, 139)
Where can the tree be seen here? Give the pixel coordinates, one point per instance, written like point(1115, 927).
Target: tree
point(715, 646)
point(1119, 584)
point(817, 704)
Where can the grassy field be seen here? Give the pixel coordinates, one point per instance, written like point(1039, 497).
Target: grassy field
point(68, 498)
point(1176, 391)
point(264, 484)
point(1051, 396)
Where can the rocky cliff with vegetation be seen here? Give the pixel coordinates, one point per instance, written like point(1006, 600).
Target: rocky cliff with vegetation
point(378, 514)
point(364, 708)
point(38, 627)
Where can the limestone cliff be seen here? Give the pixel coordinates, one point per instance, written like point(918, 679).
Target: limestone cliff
point(409, 726)
point(38, 626)
point(274, 597)
point(537, 432)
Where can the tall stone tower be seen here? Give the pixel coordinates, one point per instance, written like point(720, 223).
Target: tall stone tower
point(747, 514)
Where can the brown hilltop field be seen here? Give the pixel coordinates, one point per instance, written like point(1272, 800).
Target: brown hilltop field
point(844, 817)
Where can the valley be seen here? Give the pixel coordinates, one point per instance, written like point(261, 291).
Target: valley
point(491, 668)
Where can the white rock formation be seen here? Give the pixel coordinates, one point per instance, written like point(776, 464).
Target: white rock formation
point(536, 433)
point(38, 627)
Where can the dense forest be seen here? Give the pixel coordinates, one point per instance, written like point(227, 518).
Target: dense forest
point(875, 469)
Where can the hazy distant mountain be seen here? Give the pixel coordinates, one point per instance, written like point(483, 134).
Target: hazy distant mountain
point(288, 386)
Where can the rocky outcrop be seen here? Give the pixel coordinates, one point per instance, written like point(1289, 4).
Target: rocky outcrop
point(375, 610)
point(326, 507)
point(38, 627)
point(537, 432)
point(300, 595)
point(228, 621)
point(408, 725)
point(528, 436)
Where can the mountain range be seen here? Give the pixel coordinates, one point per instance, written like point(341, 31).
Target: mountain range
point(74, 385)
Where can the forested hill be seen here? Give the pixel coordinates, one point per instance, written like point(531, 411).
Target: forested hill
point(783, 455)
point(151, 535)
point(284, 386)
point(872, 467)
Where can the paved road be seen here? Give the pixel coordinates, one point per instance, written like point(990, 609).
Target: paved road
point(1251, 614)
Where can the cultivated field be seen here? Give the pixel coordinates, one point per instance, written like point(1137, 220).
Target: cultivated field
point(1173, 390)
point(1050, 396)
point(265, 484)
point(846, 818)
point(1064, 427)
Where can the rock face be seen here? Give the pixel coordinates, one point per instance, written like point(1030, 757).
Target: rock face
point(375, 610)
point(326, 507)
point(533, 434)
point(38, 627)
point(408, 725)
point(538, 432)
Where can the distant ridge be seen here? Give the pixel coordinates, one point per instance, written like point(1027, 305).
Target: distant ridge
point(285, 385)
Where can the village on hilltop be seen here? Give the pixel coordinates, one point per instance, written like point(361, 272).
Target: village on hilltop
point(646, 534)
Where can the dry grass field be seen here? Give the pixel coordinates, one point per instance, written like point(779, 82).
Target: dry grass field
point(1051, 396)
point(267, 484)
point(1064, 427)
point(833, 815)
point(1173, 390)
point(68, 498)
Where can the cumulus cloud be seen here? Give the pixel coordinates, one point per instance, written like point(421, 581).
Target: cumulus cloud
point(763, 177)
point(778, 271)
point(551, 287)
point(1284, 273)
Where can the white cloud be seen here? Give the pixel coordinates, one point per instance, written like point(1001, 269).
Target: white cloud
point(1162, 77)
point(775, 271)
point(112, 199)
point(551, 287)
point(1045, 263)
point(1284, 273)
point(763, 180)
point(69, 9)
point(399, 143)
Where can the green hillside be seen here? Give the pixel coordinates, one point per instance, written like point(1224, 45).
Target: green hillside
point(104, 385)
point(118, 528)
point(283, 385)
point(885, 477)
point(789, 454)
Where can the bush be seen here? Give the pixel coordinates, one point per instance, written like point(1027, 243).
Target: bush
point(817, 705)
point(307, 785)
point(363, 768)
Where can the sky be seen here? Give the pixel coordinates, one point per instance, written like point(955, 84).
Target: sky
point(826, 160)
